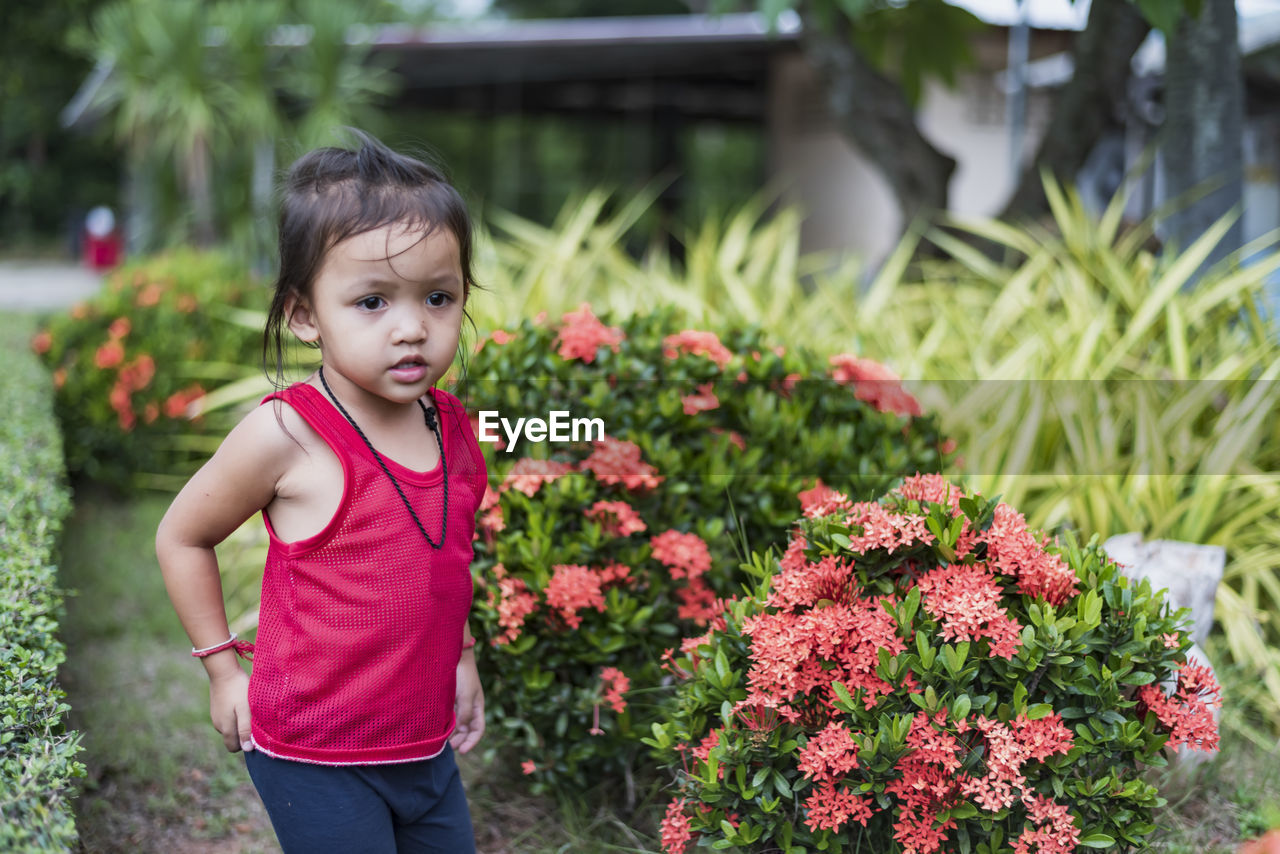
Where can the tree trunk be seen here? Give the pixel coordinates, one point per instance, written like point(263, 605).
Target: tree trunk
point(872, 112)
point(1203, 154)
point(199, 181)
point(1090, 104)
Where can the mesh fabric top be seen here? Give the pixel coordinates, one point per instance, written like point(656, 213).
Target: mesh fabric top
point(360, 628)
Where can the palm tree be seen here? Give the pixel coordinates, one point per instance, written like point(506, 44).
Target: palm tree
point(169, 103)
point(250, 63)
point(333, 75)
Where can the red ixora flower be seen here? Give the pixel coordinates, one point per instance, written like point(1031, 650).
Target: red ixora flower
point(675, 832)
point(497, 336)
point(932, 488)
point(965, 599)
point(573, 588)
point(829, 755)
point(822, 500)
point(686, 555)
point(1014, 551)
point(513, 602)
point(582, 334)
point(1187, 714)
point(617, 518)
point(697, 343)
point(886, 529)
point(528, 475)
point(703, 400)
point(831, 807)
point(874, 383)
point(109, 355)
point(137, 375)
point(613, 685)
point(41, 342)
point(177, 404)
point(618, 461)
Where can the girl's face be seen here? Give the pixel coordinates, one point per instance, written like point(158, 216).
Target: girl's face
point(386, 310)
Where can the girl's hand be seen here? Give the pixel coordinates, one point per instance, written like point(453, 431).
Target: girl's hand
point(229, 708)
point(468, 705)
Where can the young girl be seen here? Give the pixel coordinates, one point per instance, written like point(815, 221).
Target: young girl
point(368, 479)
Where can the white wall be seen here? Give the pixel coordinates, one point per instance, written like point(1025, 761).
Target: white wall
point(849, 204)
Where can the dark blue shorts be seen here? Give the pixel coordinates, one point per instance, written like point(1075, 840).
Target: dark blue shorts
point(380, 809)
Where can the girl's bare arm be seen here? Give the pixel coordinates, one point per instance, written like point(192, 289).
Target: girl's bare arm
point(237, 482)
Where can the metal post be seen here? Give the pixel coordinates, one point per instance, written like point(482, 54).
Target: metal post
point(1016, 95)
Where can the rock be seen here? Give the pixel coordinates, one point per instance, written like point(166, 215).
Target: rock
point(1190, 572)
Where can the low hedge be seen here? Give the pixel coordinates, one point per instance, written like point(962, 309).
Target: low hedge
point(37, 753)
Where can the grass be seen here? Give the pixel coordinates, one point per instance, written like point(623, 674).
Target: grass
point(160, 781)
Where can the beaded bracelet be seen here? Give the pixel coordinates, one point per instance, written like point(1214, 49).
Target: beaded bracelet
point(244, 649)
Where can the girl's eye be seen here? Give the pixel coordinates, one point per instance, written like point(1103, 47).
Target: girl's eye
point(370, 303)
point(438, 299)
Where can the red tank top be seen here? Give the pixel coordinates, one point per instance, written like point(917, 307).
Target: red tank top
point(360, 628)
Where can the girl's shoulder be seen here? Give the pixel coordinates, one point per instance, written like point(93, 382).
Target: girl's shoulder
point(272, 428)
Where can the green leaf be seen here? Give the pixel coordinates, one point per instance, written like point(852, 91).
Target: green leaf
point(1097, 840)
point(1038, 711)
point(1162, 14)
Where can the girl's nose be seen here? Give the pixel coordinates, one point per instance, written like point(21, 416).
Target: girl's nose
point(411, 326)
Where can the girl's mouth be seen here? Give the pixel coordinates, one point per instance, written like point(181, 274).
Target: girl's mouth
point(409, 370)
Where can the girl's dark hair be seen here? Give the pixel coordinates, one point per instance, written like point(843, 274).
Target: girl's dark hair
point(331, 194)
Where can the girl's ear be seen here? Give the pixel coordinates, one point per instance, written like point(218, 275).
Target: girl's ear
point(301, 319)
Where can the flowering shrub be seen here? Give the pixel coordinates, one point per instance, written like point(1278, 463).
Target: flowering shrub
point(128, 365)
point(924, 674)
point(595, 558)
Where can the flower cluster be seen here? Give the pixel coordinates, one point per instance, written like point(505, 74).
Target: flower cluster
point(699, 344)
point(513, 602)
point(922, 668)
point(582, 334)
point(1188, 715)
point(122, 366)
point(529, 474)
point(702, 400)
point(874, 383)
point(618, 518)
point(686, 555)
point(573, 588)
point(614, 685)
point(618, 461)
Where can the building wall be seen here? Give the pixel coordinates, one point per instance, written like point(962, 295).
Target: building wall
point(849, 205)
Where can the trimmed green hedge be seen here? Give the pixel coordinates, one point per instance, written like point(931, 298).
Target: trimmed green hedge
point(36, 751)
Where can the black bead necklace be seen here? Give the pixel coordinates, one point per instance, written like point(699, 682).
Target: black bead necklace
point(428, 416)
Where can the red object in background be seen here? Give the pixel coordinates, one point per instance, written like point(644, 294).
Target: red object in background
point(101, 245)
point(1268, 843)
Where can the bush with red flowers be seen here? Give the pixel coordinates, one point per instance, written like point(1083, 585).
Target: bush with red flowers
point(595, 556)
point(924, 674)
point(129, 364)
